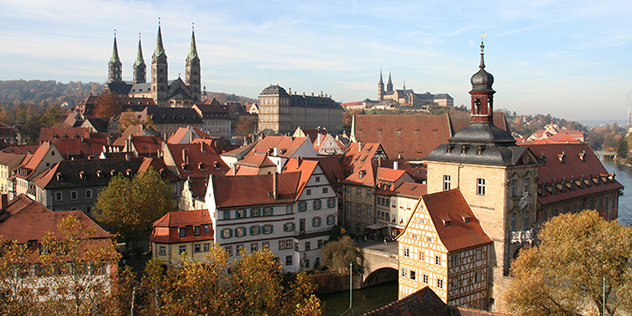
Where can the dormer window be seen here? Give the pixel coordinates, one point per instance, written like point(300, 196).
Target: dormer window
point(185, 167)
point(113, 173)
point(463, 149)
point(448, 149)
point(479, 150)
point(129, 172)
point(201, 165)
point(82, 175)
point(60, 177)
point(100, 174)
point(163, 173)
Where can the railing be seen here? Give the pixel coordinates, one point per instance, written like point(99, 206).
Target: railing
point(522, 236)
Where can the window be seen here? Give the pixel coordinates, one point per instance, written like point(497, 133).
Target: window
point(267, 211)
point(182, 231)
point(88, 209)
point(196, 230)
point(406, 252)
point(526, 184)
point(183, 249)
point(254, 230)
point(227, 233)
point(317, 204)
point(288, 227)
point(438, 260)
point(73, 195)
point(368, 193)
point(206, 231)
point(421, 256)
point(325, 190)
point(88, 194)
point(281, 244)
point(514, 187)
point(320, 243)
point(455, 260)
point(239, 249)
point(317, 179)
point(477, 277)
point(265, 245)
point(302, 206)
point(368, 211)
point(440, 283)
point(331, 202)
point(207, 247)
point(479, 254)
point(429, 239)
point(316, 222)
point(308, 192)
point(296, 246)
point(197, 248)
point(162, 251)
point(254, 246)
point(240, 213)
point(348, 190)
point(404, 272)
point(289, 209)
point(446, 182)
point(331, 219)
point(425, 278)
point(412, 274)
point(480, 186)
point(267, 229)
point(358, 192)
point(526, 220)
point(240, 231)
point(288, 260)
point(307, 246)
point(513, 222)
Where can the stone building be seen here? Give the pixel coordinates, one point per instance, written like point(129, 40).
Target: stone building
point(283, 112)
point(408, 97)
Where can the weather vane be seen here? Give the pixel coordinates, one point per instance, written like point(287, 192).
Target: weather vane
point(482, 45)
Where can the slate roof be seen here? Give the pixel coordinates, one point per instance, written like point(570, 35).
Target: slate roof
point(168, 115)
point(235, 191)
point(25, 220)
point(166, 229)
point(451, 206)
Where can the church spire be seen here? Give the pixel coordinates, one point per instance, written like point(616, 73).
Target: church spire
point(482, 92)
point(159, 50)
point(389, 85)
point(381, 81)
point(140, 69)
point(114, 66)
point(380, 88)
point(193, 49)
point(193, 70)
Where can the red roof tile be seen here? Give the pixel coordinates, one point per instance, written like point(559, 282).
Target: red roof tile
point(305, 167)
point(202, 159)
point(287, 145)
point(411, 190)
point(166, 229)
point(49, 134)
point(234, 191)
point(357, 163)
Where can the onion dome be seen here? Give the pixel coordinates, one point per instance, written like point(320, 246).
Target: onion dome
point(482, 80)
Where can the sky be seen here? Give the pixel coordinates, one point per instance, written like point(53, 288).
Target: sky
point(570, 59)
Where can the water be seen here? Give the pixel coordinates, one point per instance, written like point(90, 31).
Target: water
point(623, 174)
point(364, 300)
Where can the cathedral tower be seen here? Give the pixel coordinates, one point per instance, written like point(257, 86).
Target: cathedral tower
point(193, 72)
point(159, 73)
point(380, 88)
point(140, 69)
point(115, 65)
point(389, 85)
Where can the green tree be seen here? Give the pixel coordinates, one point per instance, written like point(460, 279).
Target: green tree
point(213, 285)
point(130, 206)
point(565, 274)
point(338, 254)
point(621, 148)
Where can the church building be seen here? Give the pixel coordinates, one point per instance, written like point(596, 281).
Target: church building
point(164, 92)
point(408, 97)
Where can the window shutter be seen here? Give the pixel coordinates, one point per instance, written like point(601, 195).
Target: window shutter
point(230, 232)
point(235, 232)
point(271, 211)
point(293, 227)
point(222, 233)
point(314, 222)
point(271, 229)
point(259, 229)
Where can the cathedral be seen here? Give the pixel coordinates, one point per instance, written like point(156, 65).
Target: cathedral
point(164, 92)
point(408, 97)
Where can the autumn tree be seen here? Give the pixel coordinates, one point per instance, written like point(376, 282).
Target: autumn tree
point(130, 118)
point(213, 285)
point(130, 206)
point(108, 105)
point(565, 274)
point(15, 296)
point(338, 254)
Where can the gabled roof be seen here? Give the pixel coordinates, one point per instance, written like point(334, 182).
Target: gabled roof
point(187, 135)
point(390, 175)
point(202, 160)
point(7, 158)
point(287, 145)
point(80, 147)
point(39, 154)
point(331, 167)
point(357, 163)
point(29, 221)
point(85, 172)
point(451, 206)
point(236, 191)
point(158, 165)
point(166, 229)
point(256, 161)
point(305, 167)
point(52, 133)
point(24, 149)
point(137, 130)
point(411, 190)
point(197, 186)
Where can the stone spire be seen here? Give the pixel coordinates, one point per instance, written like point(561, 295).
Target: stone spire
point(159, 72)
point(389, 85)
point(115, 65)
point(160, 49)
point(193, 71)
point(140, 69)
point(380, 88)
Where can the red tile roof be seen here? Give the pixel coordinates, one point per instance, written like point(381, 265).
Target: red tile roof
point(28, 220)
point(25, 149)
point(202, 159)
point(357, 163)
point(49, 134)
point(411, 190)
point(331, 167)
point(178, 136)
point(451, 206)
point(235, 191)
point(160, 166)
point(389, 175)
point(80, 147)
point(305, 167)
point(571, 169)
point(287, 145)
point(166, 229)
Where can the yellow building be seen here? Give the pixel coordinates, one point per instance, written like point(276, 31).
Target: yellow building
point(497, 178)
point(189, 232)
point(444, 247)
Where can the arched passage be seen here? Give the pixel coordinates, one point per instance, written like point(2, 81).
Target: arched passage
point(380, 276)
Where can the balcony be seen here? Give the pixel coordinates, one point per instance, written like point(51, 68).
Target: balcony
point(522, 236)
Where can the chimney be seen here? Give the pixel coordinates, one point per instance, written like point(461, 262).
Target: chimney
point(109, 140)
point(185, 156)
point(202, 147)
point(395, 164)
point(4, 202)
point(299, 160)
point(359, 147)
point(128, 157)
point(318, 139)
point(275, 184)
point(276, 151)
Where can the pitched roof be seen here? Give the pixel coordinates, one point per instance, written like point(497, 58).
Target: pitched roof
point(85, 172)
point(201, 159)
point(411, 190)
point(24, 149)
point(256, 161)
point(451, 206)
point(29, 220)
point(305, 167)
point(413, 136)
point(235, 191)
point(331, 167)
point(166, 229)
point(6, 158)
point(80, 147)
point(388, 174)
point(357, 163)
point(49, 134)
point(287, 145)
point(160, 166)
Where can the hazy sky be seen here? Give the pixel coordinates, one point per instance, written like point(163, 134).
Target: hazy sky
point(572, 59)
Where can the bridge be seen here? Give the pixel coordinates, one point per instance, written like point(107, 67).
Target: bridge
point(381, 262)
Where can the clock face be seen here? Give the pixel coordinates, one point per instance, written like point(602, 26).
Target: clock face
point(526, 159)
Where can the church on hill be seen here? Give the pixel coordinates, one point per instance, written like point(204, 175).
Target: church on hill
point(408, 97)
point(164, 92)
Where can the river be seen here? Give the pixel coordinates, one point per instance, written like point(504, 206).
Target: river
point(366, 300)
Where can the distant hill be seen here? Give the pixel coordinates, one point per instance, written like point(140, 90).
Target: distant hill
point(45, 93)
point(223, 97)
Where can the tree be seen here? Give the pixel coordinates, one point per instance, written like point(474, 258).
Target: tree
point(565, 274)
point(130, 118)
point(109, 105)
point(621, 148)
point(130, 206)
point(338, 254)
point(213, 285)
